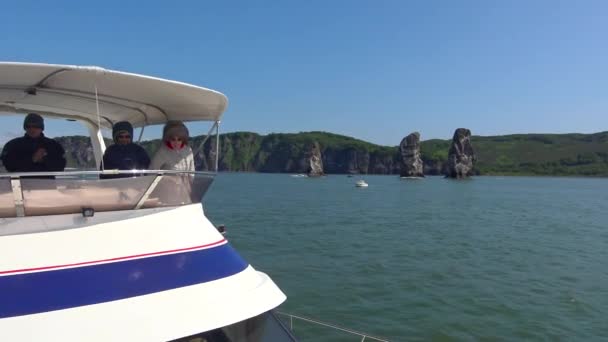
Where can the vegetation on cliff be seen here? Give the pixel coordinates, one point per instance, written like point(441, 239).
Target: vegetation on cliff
point(518, 154)
point(543, 154)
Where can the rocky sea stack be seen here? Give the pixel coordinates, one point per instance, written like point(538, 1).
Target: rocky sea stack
point(461, 155)
point(409, 150)
point(314, 160)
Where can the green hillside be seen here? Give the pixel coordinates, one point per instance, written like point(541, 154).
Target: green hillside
point(517, 154)
point(535, 154)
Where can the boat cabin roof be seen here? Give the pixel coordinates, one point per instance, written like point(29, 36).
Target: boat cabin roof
point(71, 91)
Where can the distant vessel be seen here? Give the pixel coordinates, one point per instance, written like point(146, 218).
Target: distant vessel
point(299, 175)
point(361, 184)
point(411, 177)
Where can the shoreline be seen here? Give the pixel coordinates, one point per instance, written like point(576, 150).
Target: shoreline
point(354, 175)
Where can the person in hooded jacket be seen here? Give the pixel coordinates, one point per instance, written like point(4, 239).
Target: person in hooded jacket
point(124, 154)
point(174, 152)
point(33, 152)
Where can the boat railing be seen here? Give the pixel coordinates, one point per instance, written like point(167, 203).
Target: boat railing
point(71, 192)
point(363, 336)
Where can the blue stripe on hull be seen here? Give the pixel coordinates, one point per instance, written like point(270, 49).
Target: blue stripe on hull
point(31, 293)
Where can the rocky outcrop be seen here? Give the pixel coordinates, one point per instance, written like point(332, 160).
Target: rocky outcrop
point(461, 155)
point(314, 160)
point(409, 150)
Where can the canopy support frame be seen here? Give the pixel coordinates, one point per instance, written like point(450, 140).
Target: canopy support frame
point(217, 145)
point(151, 188)
point(201, 146)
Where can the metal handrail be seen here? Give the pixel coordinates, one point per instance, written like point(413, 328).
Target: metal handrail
point(329, 325)
point(148, 192)
point(104, 172)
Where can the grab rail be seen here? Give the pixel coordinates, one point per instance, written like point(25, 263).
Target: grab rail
point(329, 325)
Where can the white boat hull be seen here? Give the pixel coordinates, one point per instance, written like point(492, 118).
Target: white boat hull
point(156, 274)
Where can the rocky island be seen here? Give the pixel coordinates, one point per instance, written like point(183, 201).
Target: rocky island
point(461, 155)
point(411, 163)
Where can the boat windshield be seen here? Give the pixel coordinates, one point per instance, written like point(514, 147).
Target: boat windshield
point(263, 328)
point(35, 194)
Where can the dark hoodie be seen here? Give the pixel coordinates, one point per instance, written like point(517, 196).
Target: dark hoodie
point(17, 155)
point(124, 157)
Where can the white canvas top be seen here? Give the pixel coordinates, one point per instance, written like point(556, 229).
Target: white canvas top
point(69, 91)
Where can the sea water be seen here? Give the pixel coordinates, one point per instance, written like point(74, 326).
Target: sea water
point(496, 258)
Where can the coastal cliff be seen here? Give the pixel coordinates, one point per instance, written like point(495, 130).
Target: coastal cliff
point(518, 154)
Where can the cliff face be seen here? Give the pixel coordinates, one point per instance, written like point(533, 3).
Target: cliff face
point(296, 153)
point(384, 163)
point(347, 160)
point(434, 167)
point(352, 161)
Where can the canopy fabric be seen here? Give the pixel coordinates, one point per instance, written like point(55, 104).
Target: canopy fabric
point(69, 91)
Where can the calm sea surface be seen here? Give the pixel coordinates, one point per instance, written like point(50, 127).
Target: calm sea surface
point(492, 258)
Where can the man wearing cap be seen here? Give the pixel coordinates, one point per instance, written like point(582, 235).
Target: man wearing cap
point(124, 154)
point(33, 152)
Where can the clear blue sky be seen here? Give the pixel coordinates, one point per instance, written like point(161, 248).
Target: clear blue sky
point(375, 70)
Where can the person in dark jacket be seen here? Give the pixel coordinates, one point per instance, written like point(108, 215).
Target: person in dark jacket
point(124, 154)
point(33, 152)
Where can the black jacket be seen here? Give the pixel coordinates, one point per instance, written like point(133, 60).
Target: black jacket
point(17, 155)
point(125, 157)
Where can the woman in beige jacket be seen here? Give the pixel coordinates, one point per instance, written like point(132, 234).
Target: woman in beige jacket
point(174, 152)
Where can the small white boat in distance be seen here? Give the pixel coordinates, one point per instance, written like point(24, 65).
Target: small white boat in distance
point(361, 184)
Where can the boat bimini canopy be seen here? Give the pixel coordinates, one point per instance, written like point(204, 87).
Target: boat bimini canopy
point(70, 91)
point(100, 97)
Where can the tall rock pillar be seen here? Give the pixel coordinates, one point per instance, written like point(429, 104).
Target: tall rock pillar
point(315, 161)
point(411, 163)
point(461, 155)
